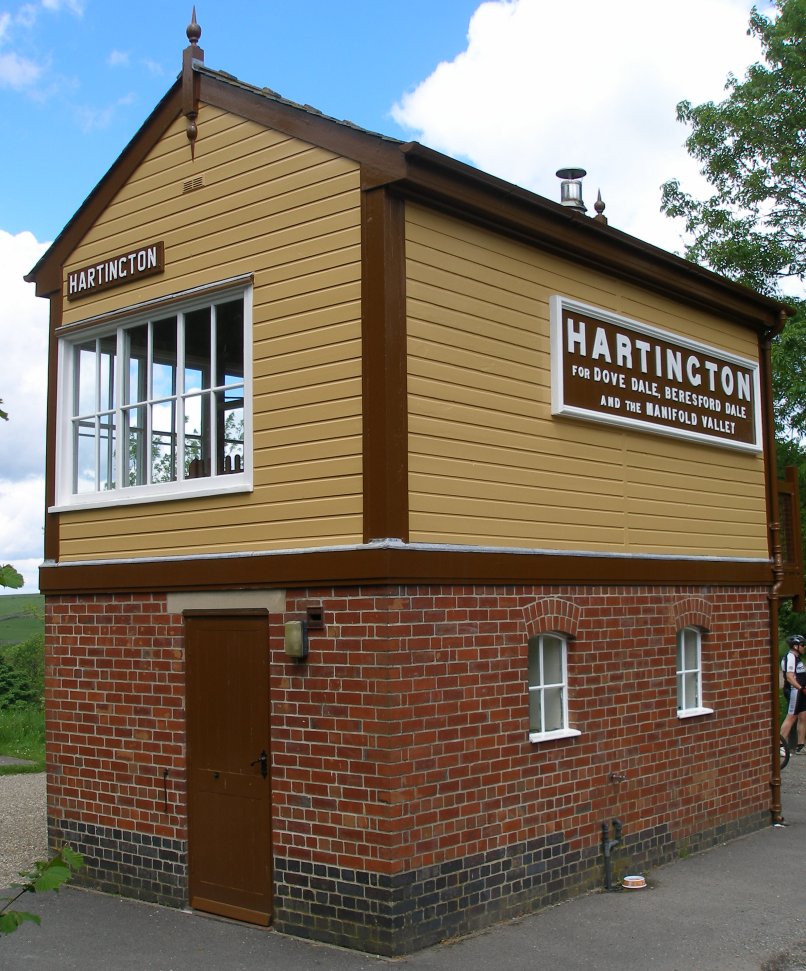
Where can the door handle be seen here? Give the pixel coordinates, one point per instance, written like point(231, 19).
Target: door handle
point(263, 759)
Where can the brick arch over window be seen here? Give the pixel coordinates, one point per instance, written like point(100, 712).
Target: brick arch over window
point(552, 613)
point(692, 612)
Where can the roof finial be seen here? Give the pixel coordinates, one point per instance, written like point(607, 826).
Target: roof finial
point(193, 54)
point(599, 206)
point(193, 31)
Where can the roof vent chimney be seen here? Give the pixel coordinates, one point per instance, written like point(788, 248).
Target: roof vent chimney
point(571, 188)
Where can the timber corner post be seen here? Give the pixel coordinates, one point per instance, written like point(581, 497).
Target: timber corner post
point(193, 54)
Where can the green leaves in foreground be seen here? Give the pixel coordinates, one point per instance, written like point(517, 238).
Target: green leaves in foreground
point(46, 875)
point(9, 577)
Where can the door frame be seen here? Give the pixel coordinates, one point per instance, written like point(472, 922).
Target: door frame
point(221, 908)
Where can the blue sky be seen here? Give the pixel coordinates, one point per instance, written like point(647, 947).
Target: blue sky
point(516, 87)
point(98, 68)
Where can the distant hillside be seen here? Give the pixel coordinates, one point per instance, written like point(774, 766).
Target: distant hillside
point(20, 617)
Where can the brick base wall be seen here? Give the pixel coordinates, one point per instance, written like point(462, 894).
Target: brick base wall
point(394, 915)
point(408, 803)
point(146, 867)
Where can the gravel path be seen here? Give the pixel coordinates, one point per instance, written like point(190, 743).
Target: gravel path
point(23, 829)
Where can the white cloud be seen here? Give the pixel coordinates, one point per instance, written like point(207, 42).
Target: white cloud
point(118, 59)
point(543, 85)
point(23, 361)
point(154, 68)
point(93, 119)
point(22, 506)
point(26, 15)
point(74, 6)
point(23, 380)
point(17, 72)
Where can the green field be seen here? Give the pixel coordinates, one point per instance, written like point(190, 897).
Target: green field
point(20, 617)
point(22, 728)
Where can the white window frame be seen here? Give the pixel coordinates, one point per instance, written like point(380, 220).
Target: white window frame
point(213, 484)
point(541, 686)
point(686, 707)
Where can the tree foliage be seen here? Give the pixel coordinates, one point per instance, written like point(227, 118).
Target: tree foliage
point(751, 147)
point(45, 875)
point(9, 577)
point(752, 150)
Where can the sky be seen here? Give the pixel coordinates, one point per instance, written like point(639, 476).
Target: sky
point(518, 88)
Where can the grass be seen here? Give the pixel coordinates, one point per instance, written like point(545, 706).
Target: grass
point(20, 617)
point(22, 730)
point(22, 736)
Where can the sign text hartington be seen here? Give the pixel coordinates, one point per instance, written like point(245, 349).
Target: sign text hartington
point(610, 369)
point(115, 271)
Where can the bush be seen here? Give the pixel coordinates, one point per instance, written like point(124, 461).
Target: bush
point(22, 673)
point(16, 690)
point(28, 660)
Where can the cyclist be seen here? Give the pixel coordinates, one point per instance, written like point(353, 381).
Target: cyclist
point(794, 671)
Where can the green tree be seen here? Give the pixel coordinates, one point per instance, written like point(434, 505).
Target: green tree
point(750, 147)
point(16, 690)
point(27, 661)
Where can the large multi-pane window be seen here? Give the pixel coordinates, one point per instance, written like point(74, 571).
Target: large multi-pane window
point(158, 405)
point(548, 687)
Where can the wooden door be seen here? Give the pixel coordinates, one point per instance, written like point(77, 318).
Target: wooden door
point(229, 784)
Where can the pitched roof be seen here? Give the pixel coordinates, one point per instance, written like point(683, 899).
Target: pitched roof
point(421, 174)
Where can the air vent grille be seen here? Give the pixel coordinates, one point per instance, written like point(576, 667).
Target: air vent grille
point(190, 185)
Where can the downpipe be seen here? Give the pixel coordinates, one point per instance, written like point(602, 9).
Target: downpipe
point(608, 845)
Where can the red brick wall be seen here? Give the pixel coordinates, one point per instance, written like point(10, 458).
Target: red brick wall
point(402, 742)
point(114, 684)
point(435, 680)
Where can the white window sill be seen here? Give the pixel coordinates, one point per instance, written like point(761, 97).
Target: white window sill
point(550, 736)
point(693, 712)
point(221, 485)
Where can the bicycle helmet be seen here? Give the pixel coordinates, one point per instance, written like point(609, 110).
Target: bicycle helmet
point(796, 640)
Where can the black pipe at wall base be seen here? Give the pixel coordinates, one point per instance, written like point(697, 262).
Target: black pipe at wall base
point(608, 845)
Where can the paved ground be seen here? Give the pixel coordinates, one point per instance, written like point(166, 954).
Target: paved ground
point(738, 907)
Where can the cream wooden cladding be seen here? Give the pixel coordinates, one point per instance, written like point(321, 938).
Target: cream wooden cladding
point(289, 214)
point(488, 465)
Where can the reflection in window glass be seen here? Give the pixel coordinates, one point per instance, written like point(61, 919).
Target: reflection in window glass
point(197, 349)
point(84, 450)
point(93, 419)
point(172, 388)
point(163, 362)
point(134, 425)
point(106, 348)
point(85, 379)
point(136, 344)
point(106, 452)
point(163, 441)
point(547, 684)
point(197, 436)
point(230, 410)
point(689, 673)
point(229, 343)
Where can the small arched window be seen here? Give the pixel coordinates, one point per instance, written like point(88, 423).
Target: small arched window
point(548, 687)
point(689, 673)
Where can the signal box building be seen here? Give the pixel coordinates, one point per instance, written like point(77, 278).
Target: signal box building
point(405, 529)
